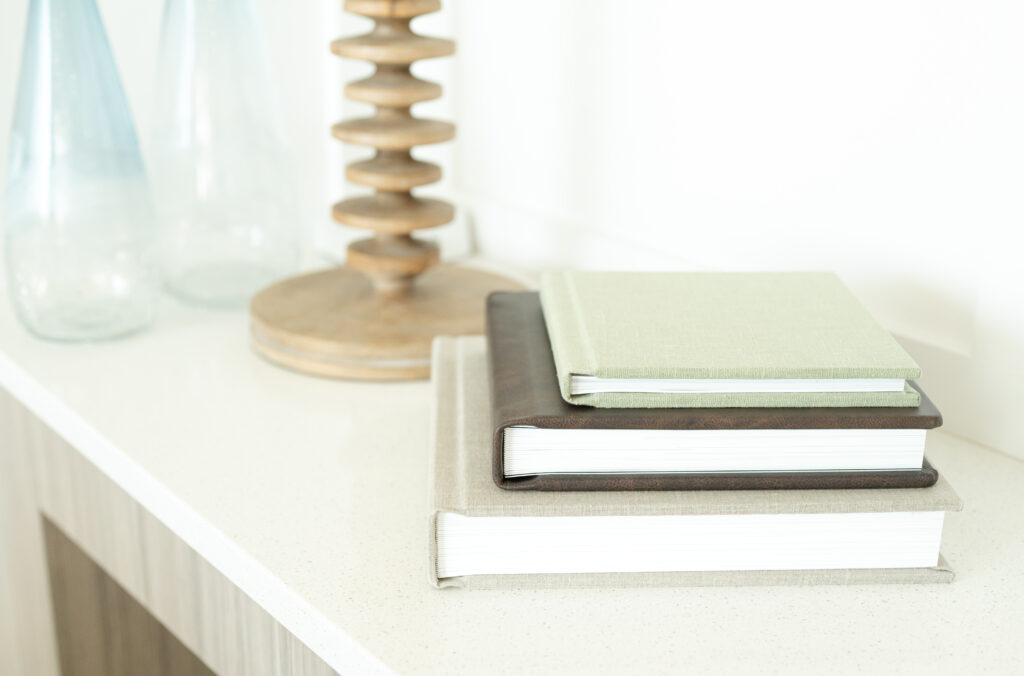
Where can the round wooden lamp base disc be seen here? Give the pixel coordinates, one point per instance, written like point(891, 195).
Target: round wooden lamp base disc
point(332, 323)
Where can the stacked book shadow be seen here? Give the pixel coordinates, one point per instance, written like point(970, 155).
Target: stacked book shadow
point(625, 429)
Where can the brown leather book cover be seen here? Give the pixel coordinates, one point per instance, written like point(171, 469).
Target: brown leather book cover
point(524, 391)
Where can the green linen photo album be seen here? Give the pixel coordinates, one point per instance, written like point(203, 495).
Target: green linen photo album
point(720, 339)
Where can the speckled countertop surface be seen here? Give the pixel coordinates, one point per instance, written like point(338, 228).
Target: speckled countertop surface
point(310, 495)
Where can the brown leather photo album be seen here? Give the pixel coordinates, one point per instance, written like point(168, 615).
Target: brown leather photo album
point(637, 449)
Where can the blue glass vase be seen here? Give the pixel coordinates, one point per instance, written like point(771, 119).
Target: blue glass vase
point(79, 227)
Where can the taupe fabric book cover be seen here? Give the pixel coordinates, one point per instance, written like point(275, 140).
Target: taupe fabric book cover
point(720, 339)
point(460, 484)
point(524, 393)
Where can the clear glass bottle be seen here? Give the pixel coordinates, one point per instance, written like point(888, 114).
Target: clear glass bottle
point(224, 182)
point(80, 233)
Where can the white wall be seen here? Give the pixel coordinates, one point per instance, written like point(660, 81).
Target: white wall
point(880, 139)
point(870, 137)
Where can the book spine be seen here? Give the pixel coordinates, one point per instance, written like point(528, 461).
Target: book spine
point(570, 341)
point(514, 356)
point(499, 338)
point(432, 576)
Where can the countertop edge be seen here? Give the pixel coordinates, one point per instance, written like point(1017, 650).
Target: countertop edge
point(340, 651)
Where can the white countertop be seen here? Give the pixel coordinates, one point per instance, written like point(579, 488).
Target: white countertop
point(310, 495)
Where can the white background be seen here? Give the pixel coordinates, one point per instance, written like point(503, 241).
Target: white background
point(884, 140)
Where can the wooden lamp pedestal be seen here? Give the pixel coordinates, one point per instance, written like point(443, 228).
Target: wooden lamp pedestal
point(375, 318)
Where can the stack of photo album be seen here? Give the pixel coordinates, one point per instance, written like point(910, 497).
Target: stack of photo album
point(645, 429)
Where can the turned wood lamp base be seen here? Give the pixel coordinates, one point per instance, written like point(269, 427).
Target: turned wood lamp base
point(376, 318)
point(334, 323)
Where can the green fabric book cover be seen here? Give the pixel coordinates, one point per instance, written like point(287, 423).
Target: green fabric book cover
point(776, 328)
